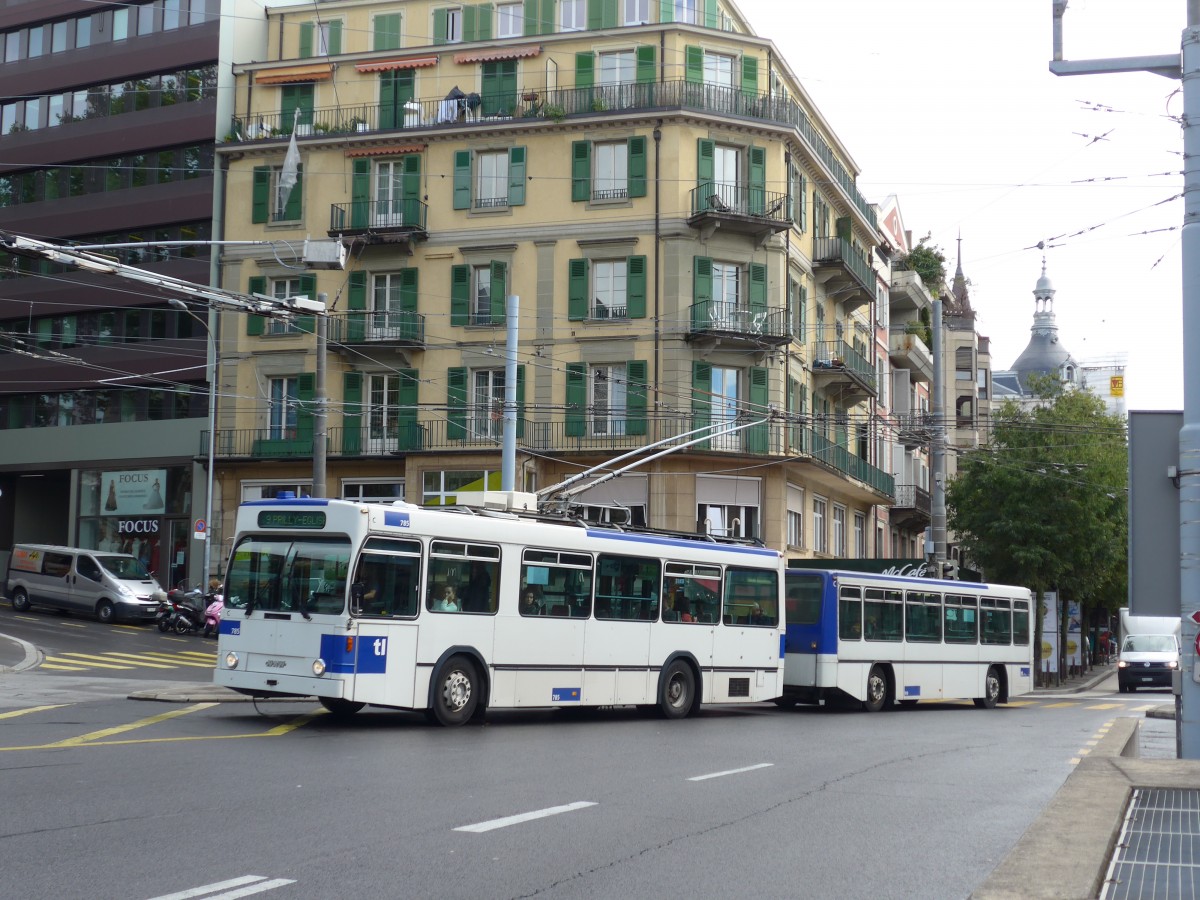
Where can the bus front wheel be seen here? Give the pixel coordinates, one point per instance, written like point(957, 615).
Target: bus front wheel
point(677, 692)
point(877, 690)
point(457, 692)
point(991, 690)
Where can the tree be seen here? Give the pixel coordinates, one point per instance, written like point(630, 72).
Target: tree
point(928, 261)
point(1044, 504)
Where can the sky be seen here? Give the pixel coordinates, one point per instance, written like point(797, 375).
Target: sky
point(951, 106)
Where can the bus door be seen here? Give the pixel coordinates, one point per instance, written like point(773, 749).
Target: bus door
point(749, 636)
point(618, 665)
point(383, 608)
point(811, 625)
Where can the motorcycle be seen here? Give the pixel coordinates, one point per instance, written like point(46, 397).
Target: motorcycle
point(212, 615)
point(182, 611)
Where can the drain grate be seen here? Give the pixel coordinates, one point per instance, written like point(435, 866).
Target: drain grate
point(1158, 852)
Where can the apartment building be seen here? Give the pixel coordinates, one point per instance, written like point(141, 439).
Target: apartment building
point(106, 137)
point(681, 226)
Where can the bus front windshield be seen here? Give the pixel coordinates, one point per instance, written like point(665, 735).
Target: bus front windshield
point(282, 574)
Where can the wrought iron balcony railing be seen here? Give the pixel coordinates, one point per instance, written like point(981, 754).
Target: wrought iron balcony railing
point(378, 216)
point(838, 356)
point(381, 327)
point(718, 317)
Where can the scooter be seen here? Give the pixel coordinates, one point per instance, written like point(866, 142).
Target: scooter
point(182, 611)
point(212, 615)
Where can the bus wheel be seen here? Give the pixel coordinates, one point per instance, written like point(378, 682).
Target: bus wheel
point(991, 690)
point(877, 690)
point(677, 691)
point(456, 696)
point(341, 708)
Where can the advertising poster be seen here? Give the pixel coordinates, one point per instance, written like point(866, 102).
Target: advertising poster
point(1050, 633)
point(1074, 651)
point(137, 492)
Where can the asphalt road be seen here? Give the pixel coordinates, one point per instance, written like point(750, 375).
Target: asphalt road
point(109, 797)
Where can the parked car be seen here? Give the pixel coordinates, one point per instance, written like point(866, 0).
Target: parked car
point(109, 586)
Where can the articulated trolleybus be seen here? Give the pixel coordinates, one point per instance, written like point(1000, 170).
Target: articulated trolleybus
point(879, 639)
point(456, 610)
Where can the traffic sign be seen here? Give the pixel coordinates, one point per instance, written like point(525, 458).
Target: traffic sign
point(1196, 617)
point(200, 529)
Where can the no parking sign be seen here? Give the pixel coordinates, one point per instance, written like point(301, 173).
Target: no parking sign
point(200, 530)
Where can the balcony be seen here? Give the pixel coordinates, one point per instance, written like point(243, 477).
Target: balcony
point(908, 294)
point(838, 365)
point(912, 509)
point(380, 221)
point(908, 351)
point(846, 275)
point(735, 327)
point(739, 209)
point(378, 329)
point(914, 430)
point(602, 436)
point(555, 106)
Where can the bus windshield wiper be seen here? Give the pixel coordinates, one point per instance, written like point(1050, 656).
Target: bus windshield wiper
point(304, 607)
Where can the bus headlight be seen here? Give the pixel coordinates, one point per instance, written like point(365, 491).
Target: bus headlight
point(318, 667)
point(231, 660)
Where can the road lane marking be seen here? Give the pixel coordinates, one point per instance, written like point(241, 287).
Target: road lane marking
point(138, 660)
point(278, 730)
point(731, 772)
point(524, 817)
point(1066, 704)
point(1107, 706)
point(62, 668)
point(66, 659)
point(24, 712)
point(140, 723)
point(248, 884)
point(180, 660)
point(72, 625)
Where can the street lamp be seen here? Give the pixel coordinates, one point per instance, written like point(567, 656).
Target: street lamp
point(211, 371)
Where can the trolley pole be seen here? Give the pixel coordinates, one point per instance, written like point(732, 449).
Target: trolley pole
point(1186, 67)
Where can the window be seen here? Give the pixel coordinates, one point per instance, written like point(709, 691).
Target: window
point(387, 32)
point(839, 531)
point(373, 491)
point(282, 288)
point(616, 67)
point(820, 536)
point(386, 412)
point(481, 295)
point(860, 536)
point(394, 306)
point(850, 614)
point(964, 364)
point(325, 34)
point(560, 583)
point(269, 203)
point(60, 31)
point(995, 620)
point(610, 179)
point(729, 520)
point(487, 403)
point(497, 181)
point(981, 382)
point(637, 12)
point(510, 20)
point(282, 410)
point(883, 615)
point(470, 571)
point(795, 528)
point(397, 192)
point(387, 578)
point(448, 25)
point(477, 293)
point(574, 15)
point(627, 587)
point(606, 400)
point(726, 293)
point(719, 69)
point(751, 597)
point(961, 619)
point(491, 188)
point(172, 14)
point(608, 170)
point(923, 617)
point(687, 11)
point(609, 290)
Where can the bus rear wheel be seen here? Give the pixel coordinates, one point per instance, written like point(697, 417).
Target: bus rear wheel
point(877, 690)
point(991, 690)
point(678, 690)
point(341, 708)
point(457, 692)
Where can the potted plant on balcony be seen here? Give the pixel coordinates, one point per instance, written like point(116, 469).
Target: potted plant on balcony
point(358, 123)
point(554, 111)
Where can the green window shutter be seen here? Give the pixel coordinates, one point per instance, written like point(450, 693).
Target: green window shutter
point(758, 287)
point(577, 289)
point(530, 12)
point(842, 228)
point(260, 206)
point(595, 15)
point(256, 324)
point(360, 194)
point(516, 176)
point(387, 32)
point(356, 322)
point(647, 64)
point(585, 70)
point(635, 287)
point(410, 280)
point(308, 288)
point(295, 97)
point(757, 158)
point(520, 401)
point(468, 23)
point(456, 403)
point(387, 101)
point(408, 431)
point(581, 170)
point(335, 37)
point(635, 397)
point(439, 26)
point(803, 206)
point(637, 167)
point(352, 392)
point(702, 289)
point(483, 22)
point(705, 152)
point(462, 179)
point(758, 436)
point(608, 15)
point(293, 209)
point(499, 287)
point(546, 22)
point(460, 294)
point(701, 397)
point(305, 388)
point(693, 64)
point(750, 76)
point(666, 11)
point(306, 39)
point(576, 398)
point(710, 14)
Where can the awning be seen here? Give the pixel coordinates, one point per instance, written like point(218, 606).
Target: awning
point(384, 65)
point(503, 53)
point(318, 72)
point(387, 150)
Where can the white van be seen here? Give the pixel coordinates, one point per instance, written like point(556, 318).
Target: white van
point(109, 586)
point(1149, 654)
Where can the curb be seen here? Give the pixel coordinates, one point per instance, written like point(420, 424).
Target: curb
point(32, 656)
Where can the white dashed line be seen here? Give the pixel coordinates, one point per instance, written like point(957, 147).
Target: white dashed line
point(732, 772)
point(524, 817)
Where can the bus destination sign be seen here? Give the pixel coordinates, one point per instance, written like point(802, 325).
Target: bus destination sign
point(288, 518)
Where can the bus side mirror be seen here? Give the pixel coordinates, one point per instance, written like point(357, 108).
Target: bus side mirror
point(357, 590)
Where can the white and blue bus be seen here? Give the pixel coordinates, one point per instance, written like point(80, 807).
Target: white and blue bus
point(458, 610)
point(878, 639)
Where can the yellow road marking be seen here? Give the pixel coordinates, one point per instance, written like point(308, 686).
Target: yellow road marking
point(1145, 708)
point(1019, 703)
point(72, 625)
point(85, 662)
point(1107, 706)
point(24, 712)
point(28, 618)
point(278, 730)
point(182, 662)
point(137, 660)
point(1084, 751)
point(1075, 760)
point(140, 723)
point(1066, 704)
point(62, 668)
point(126, 629)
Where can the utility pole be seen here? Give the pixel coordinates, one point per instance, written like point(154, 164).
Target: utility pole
point(937, 499)
point(321, 404)
point(508, 446)
point(1184, 67)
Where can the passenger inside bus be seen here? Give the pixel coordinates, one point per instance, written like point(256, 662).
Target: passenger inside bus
point(530, 605)
point(449, 601)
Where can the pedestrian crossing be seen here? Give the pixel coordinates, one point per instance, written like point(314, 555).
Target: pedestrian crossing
point(118, 661)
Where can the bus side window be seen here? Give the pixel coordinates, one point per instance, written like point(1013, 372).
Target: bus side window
point(850, 614)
